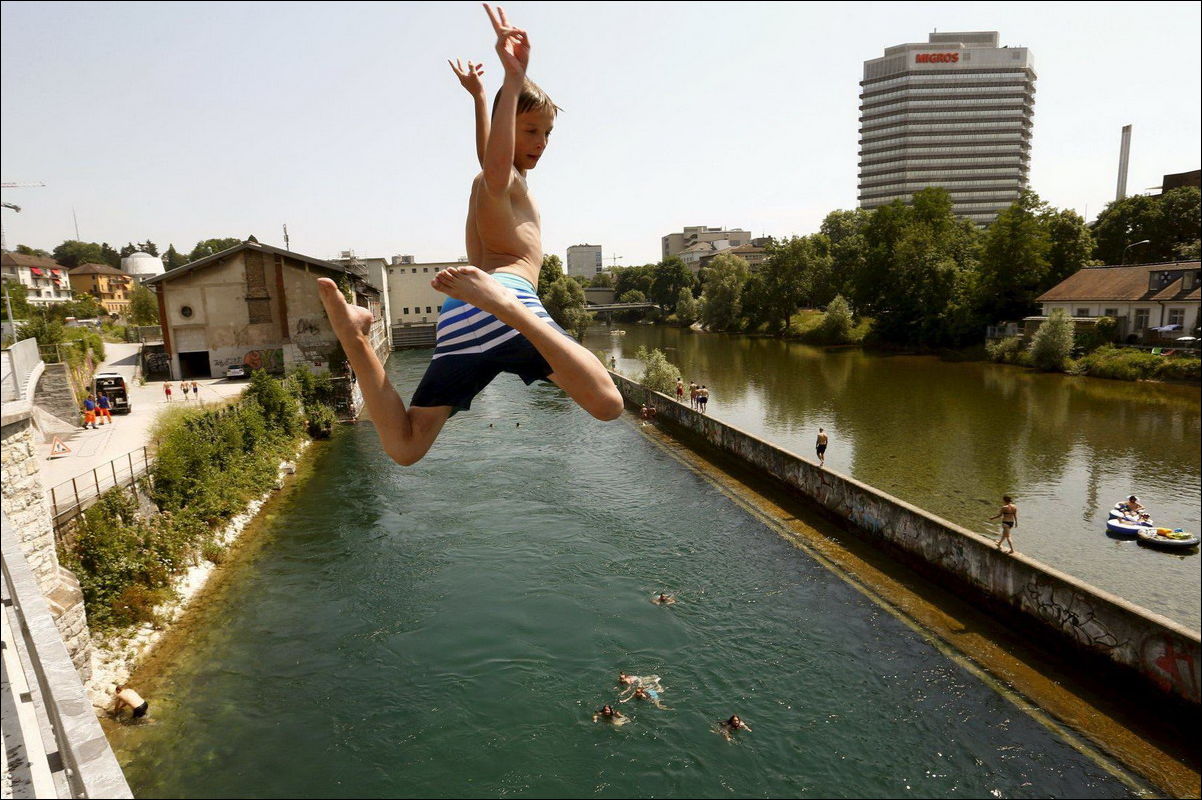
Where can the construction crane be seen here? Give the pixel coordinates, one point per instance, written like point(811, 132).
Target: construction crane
point(14, 206)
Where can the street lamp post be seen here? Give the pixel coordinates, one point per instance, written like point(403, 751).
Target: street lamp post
point(1123, 260)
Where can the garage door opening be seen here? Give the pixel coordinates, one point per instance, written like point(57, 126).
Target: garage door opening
point(194, 365)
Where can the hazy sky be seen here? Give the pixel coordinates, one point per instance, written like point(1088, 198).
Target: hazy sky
point(183, 121)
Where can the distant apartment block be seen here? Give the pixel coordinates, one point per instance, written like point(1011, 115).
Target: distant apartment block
point(957, 112)
point(676, 243)
point(584, 260)
point(45, 280)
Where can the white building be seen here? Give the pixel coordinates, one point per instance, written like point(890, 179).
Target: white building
point(411, 298)
point(676, 243)
point(955, 111)
point(142, 265)
point(585, 260)
point(1142, 298)
point(44, 279)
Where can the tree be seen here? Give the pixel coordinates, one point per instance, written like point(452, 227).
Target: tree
point(659, 374)
point(550, 271)
point(26, 250)
point(72, 253)
point(724, 280)
point(1070, 245)
point(143, 306)
point(208, 247)
point(638, 278)
point(1167, 221)
point(790, 273)
point(668, 277)
point(141, 247)
point(634, 314)
point(837, 322)
point(564, 301)
point(17, 297)
point(1014, 259)
point(602, 280)
point(688, 310)
point(1052, 345)
point(843, 238)
point(173, 259)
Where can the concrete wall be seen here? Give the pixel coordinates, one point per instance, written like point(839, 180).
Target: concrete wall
point(1161, 652)
point(26, 507)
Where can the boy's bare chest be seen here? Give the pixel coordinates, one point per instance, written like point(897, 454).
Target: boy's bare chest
point(506, 225)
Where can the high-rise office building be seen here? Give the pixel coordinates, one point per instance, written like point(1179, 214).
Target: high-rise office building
point(955, 112)
point(585, 260)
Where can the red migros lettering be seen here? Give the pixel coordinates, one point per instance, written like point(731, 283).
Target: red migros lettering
point(936, 58)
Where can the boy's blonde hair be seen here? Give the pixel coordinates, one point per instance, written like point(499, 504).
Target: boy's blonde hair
point(531, 98)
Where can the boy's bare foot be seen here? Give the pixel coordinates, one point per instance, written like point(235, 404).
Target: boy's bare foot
point(477, 288)
point(347, 320)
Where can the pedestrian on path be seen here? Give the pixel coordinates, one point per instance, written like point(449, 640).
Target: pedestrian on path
point(104, 409)
point(196, 390)
point(167, 390)
point(89, 412)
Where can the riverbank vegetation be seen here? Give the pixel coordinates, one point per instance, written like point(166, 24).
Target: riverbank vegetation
point(911, 275)
point(209, 464)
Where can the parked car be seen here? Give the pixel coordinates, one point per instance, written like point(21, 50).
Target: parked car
point(235, 371)
point(113, 385)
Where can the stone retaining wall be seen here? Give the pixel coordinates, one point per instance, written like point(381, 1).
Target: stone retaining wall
point(1163, 653)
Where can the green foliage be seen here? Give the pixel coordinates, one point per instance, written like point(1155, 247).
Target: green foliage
point(1103, 331)
point(1008, 351)
point(208, 247)
point(549, 272)
point(84, 306)
point(1169, 222)
point(46, 330)
point(17, 296)
point(837, 322)
point(1070, 244)
point(636, 278)
point(26, 250)
point(724, 281)
point(658, 373)
point(1052, 345)
point(602, 280)
point(173, 258)
point(667, 279)
point(1014, 262)
point(141, 247)
point(321, 420)
point(280, 407)
point(73, 253)
point(688, 310)
point(787, 279)
point(143, 306)
point(1130, 364)
point(564, 300)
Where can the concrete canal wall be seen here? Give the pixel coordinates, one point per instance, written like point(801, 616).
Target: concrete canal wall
point(1164, 654)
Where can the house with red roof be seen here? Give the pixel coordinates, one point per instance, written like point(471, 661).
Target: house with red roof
point(45, 280)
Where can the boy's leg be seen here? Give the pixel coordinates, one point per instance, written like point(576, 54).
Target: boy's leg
point(405, 433)
point(573, 368)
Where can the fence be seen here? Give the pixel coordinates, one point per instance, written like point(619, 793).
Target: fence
point(71, 498)
point(19, 363)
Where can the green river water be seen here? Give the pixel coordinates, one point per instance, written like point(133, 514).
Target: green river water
point(448, 629)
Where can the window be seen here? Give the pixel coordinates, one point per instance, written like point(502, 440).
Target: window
point(1082, 312)
point(1176, 316)
point(424, 269)
point(427, 309)
point(185, 312)
point(405, 310)
point(1141, 319)
point(1113, 313)
point(415, 270)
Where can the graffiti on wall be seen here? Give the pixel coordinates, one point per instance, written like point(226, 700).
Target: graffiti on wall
point(1068, 611)
point(156, 362)
point(270, 359)
point(1171, 664)
point(313, 343)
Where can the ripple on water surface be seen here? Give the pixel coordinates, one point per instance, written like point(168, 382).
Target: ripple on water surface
point(448, 629)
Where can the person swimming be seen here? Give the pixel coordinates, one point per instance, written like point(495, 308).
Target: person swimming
point(648, 681)
point(663, 599)
point(648, 694)
point(727, 727)
point(610, 714)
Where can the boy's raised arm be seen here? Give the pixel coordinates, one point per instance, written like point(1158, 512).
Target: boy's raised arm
point(513, 47)
point(470, 80)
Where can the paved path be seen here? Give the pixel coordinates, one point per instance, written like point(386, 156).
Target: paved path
point(95, 448)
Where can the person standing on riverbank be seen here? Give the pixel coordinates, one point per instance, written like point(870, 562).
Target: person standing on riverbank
point(1009, 514)
point(820, 447)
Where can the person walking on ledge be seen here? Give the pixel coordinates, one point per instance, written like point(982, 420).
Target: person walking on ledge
point(492, 321)
point(1009, 514)
point(820, 447)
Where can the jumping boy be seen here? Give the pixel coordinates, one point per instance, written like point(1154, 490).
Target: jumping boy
point(493, 321)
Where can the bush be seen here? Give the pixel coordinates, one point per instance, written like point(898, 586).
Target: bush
point(1052, 345)
point(1128, 364)
point(688, 310)
point(1006, 351)
point(321, 420)
point(837, 322)
point(658, 373)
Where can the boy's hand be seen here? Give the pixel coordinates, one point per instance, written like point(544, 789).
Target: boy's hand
point(513, 44)
point(469, 78)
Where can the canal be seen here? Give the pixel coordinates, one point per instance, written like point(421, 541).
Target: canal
point(952, 438)
point(448, 629)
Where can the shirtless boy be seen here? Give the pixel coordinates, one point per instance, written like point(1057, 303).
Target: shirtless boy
point(493, 321)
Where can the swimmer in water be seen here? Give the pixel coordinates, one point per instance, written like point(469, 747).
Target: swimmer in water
point(727, 727)
point(650, 695)
point(127, 697)
point(610, 714)
point(627, 680)
point(648, 681)
point(663, 599)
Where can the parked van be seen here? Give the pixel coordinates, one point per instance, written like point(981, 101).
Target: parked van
point(113, 385)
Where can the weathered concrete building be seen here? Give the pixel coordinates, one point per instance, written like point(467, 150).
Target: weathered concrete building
point(257, 306)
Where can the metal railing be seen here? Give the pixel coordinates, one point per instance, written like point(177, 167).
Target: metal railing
point(71, 498)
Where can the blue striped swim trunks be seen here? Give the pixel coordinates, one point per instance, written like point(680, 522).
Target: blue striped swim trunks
point(472, 347)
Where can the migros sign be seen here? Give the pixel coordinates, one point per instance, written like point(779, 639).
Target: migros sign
point(936, 58)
